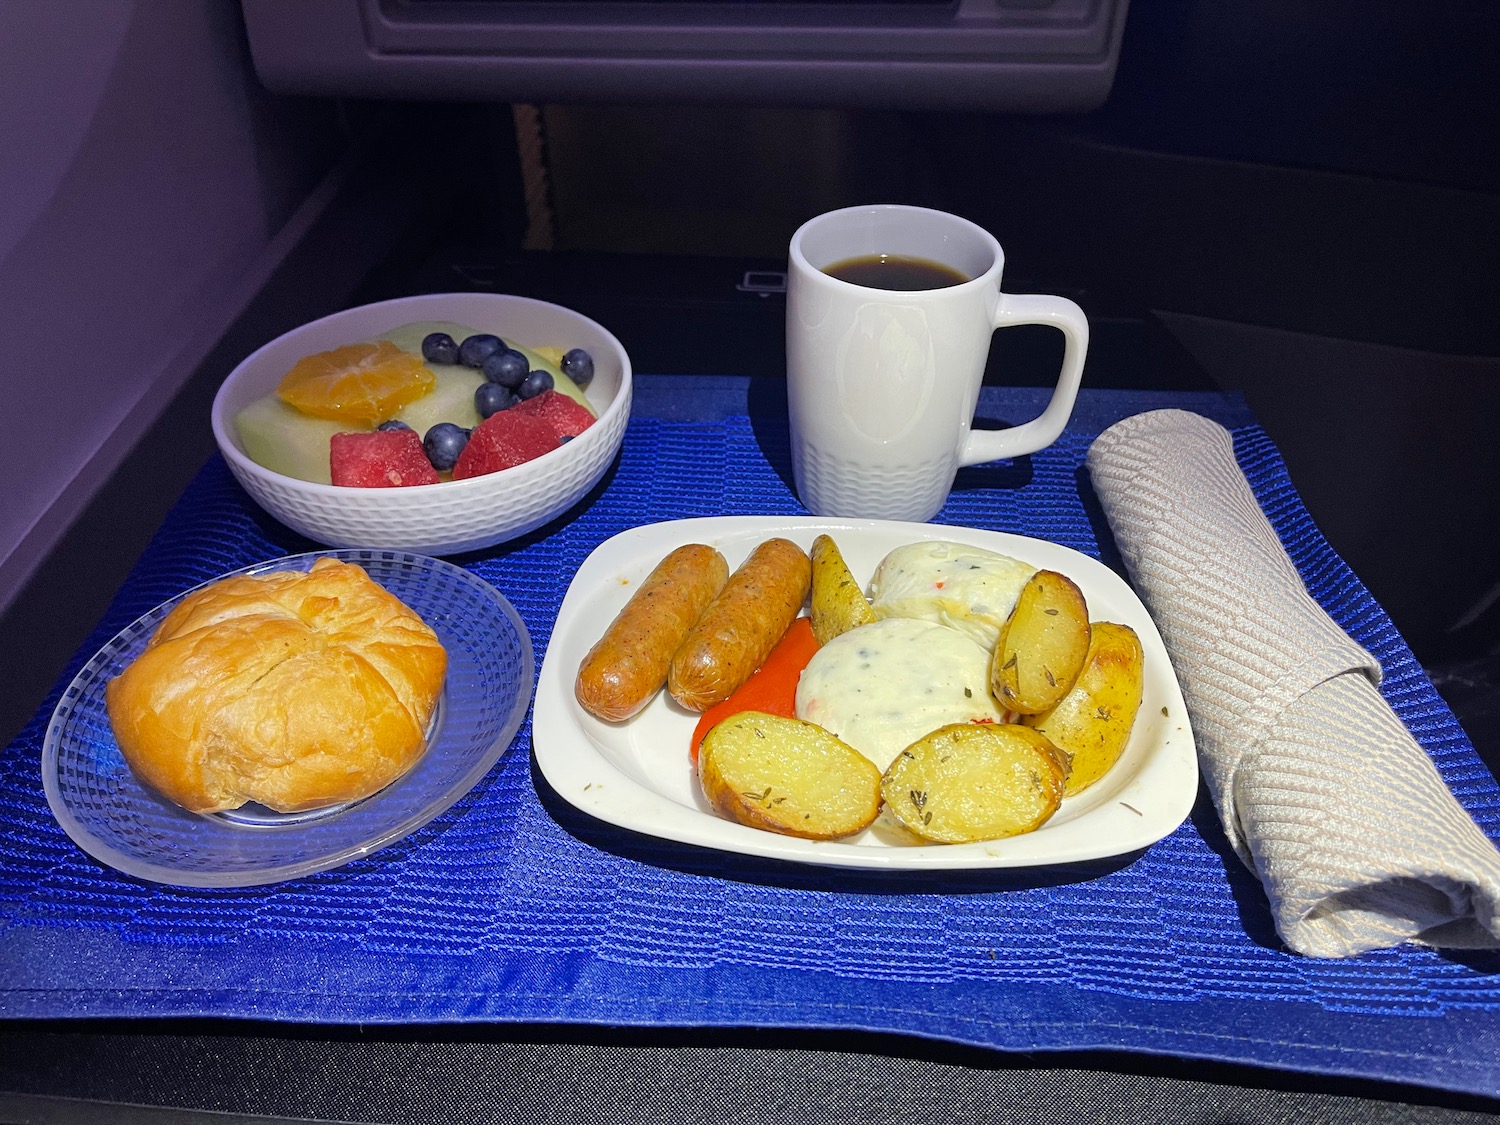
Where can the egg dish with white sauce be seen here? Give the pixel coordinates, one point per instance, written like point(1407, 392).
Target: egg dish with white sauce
point(967, 588)
point(882, 686)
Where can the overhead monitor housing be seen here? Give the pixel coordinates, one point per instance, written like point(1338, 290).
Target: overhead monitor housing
point(1016, 56)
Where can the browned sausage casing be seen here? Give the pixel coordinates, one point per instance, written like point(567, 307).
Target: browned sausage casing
point(737, 632)
point(628, 666)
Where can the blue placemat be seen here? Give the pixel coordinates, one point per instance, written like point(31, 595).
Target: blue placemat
point(513, 907)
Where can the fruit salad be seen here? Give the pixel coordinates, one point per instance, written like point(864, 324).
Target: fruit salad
point(423, 403)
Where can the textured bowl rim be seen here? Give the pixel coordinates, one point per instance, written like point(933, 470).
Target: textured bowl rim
point(242, 462)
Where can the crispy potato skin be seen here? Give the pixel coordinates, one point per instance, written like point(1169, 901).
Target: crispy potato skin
point(629, 665)
point(1042, 646)
point(967, 782)
point(1094, 720)
point(784, 775)
point(739, 629)
point(838, 604)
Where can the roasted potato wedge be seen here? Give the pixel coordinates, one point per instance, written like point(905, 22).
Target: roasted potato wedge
point(1042, 645)
point(1094, 720)
point(975, 781)
point(787, 776)
point(838, 604)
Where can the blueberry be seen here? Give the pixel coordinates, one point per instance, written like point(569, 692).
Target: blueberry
point(476, 349)
point(491, 398)
point(438, 347)
point(507, 367)
point(443, 443)
point(578, 365)
point(536, 383)
point(393, 424)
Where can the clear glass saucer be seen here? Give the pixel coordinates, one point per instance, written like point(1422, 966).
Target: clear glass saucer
point(121, 822)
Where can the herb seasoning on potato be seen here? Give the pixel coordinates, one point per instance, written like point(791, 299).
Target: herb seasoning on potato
point(1042, 644)
point(1093, 721)
point(787, 776)
point(968, 782)
point(838, 604)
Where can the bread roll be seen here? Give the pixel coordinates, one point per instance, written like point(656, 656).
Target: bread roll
point(294, 690)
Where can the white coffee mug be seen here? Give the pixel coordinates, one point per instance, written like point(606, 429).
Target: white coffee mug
point(882, 384)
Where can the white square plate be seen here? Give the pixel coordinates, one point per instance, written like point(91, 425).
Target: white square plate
point(638, 774)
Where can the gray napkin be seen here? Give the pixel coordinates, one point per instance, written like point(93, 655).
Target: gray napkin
point(1322, 790)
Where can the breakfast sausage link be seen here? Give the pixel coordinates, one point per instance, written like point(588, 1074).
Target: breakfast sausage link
point(737, 632)
point(629, 665)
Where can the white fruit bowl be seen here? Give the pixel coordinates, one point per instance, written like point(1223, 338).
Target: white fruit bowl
point(453, 516)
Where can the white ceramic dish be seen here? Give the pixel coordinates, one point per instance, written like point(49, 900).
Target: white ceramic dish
point(454, 516)
point(637, 774)
point(118, 820)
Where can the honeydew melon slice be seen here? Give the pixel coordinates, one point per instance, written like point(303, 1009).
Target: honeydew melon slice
point(285, 440)
point(451, 400)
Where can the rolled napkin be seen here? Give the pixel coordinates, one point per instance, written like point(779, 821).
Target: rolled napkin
point(1323, 792)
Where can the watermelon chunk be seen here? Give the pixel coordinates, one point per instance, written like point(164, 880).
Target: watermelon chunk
point(380, 459)
point(503, 441)
point(566, 417)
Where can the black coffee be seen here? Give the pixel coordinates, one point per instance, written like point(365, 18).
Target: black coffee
point(895, 272)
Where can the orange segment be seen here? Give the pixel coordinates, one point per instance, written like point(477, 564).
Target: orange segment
point(358, 383)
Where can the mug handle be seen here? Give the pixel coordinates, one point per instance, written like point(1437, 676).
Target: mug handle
point(1043, 430)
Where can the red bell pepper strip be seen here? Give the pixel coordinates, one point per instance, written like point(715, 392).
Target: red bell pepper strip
point(773, 687)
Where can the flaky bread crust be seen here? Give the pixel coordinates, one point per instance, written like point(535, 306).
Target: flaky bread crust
point(293, 690)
